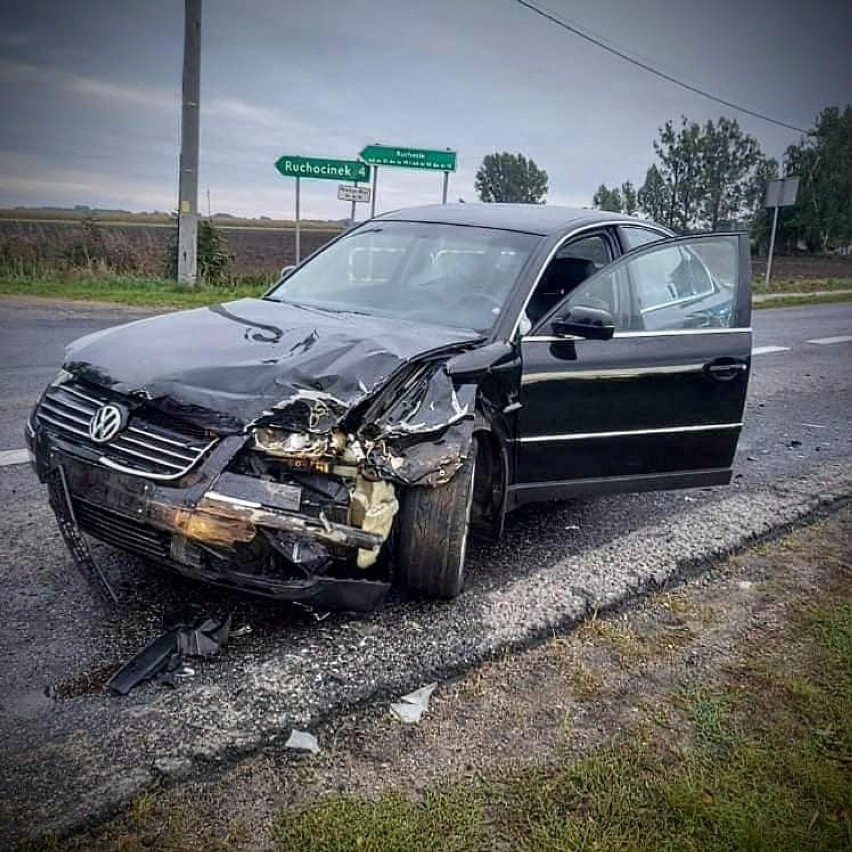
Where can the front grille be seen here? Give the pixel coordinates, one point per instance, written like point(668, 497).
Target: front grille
point(119, 531)
point(145, 447)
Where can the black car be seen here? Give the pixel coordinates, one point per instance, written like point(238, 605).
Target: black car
point(418, 377)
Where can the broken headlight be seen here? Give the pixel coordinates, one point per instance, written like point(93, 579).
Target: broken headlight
point(282, 442)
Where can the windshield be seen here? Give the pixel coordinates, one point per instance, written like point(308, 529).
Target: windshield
point(448, 275)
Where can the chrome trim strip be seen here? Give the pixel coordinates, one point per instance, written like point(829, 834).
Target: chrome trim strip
point(129, 451)
point(188, 456)
point(618, 373)
point(74, 406)
point(546, 338)
point(95, 402)
point(234, 501)
point(58, 412)
point(580, 436)
point(155, 436)
point(164, 477)
point(74, 431)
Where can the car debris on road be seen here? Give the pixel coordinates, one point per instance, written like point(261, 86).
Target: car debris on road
point(187, 634)
point(410, 708)
point(302, 741)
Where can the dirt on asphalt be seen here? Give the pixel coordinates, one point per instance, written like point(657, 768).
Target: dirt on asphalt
point(564, 699)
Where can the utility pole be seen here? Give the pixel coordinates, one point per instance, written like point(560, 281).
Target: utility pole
point(188, 181)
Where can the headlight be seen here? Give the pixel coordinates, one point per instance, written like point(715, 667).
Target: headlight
point(281, 442)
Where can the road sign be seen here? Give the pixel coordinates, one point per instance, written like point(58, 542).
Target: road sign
point(353, 193)
point(781, 192)
point(409, 158)
point(322, 168)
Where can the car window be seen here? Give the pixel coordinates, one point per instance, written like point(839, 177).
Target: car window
point(632, 237)
point(594, 248)
point(671, 287)
point(572, 264)
point(439, 274)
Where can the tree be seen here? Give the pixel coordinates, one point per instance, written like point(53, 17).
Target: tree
point(822, 217)
point(653, 195)
point(630, 200)
point(214, 259)
point(608, 199)
point(679, 155)
point(510, 178)
point(705, 176)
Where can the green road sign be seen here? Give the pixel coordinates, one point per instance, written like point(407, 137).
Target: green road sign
point(409, 158)
point(319, 167)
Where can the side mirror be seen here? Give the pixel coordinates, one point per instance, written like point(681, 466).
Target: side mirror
point(286, 270)
point(475, 364)
point(591, 323)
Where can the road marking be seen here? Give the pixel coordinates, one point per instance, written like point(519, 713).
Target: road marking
point(9, 457)
point(765, 350)
point(825, 341)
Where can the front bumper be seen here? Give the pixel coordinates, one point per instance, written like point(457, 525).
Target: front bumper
point(215, 525)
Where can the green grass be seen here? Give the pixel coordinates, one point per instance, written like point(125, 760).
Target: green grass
point(150, 292)
point(801, 285)
point(790, 301)
point(767, 766)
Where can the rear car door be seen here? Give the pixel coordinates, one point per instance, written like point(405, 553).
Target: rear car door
point(660, 404)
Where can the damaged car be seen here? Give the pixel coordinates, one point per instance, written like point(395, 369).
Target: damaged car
point(409, 383)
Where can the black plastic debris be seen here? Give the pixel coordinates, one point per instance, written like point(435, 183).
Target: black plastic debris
point(188, 633)
point(60, 502)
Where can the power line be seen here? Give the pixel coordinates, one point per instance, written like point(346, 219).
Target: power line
point(650, 68)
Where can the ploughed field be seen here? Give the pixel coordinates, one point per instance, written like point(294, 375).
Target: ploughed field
point(142, 248)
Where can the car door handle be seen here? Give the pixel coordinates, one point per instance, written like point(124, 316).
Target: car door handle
point(725, 370)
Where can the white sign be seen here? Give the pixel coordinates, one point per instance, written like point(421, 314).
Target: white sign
point(345, 192)
point(781, 192)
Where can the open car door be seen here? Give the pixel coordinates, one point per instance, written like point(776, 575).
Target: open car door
point(660, 403)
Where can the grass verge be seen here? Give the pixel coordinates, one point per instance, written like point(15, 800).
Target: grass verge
point(149, 292)
point(801, 285)
point(791, 300)
point(764, 764)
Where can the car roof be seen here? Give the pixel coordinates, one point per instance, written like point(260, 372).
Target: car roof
point(543, 219)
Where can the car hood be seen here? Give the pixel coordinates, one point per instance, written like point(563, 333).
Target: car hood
point(228, 365)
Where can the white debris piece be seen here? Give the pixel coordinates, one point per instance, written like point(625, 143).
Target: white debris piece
point(302, 741)
point(411, 707)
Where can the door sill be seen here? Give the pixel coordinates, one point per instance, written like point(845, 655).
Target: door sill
point(570, 488)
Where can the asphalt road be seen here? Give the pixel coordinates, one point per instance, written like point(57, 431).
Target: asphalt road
point(71, 751)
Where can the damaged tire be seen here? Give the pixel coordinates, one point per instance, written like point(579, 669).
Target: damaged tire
point(433, 534)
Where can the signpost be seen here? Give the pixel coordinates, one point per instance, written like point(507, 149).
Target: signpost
point(320, 168)
point(780, 192)
point(426, 159)
point(353, 193)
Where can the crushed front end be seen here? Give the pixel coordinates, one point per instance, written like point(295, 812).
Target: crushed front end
point(299, 505)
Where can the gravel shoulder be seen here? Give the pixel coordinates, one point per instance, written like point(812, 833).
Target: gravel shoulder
point(663, 669)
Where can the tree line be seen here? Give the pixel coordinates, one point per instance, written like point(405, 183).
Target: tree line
point(714, 175)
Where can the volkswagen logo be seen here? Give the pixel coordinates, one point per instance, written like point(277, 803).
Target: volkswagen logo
point(106, 423)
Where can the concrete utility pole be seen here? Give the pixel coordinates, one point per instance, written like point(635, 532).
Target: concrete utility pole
point(188, 183)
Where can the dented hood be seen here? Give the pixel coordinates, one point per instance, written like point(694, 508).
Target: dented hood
point(225, 366)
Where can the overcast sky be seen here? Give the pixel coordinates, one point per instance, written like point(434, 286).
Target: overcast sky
point(90, 91)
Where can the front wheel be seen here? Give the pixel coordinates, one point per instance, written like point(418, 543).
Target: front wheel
point(433, 531)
